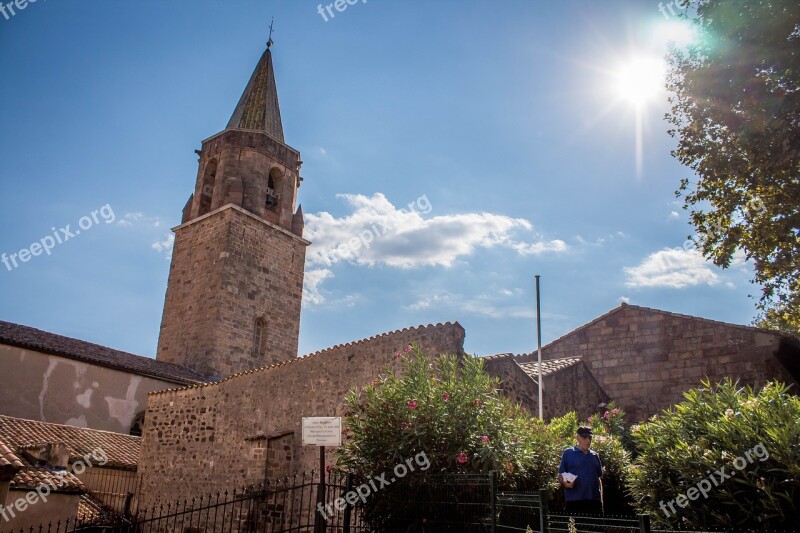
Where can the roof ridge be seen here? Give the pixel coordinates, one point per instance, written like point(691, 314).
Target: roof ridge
point(70, 427)
point(624, 305)
point(40, 343)
point(312, 355)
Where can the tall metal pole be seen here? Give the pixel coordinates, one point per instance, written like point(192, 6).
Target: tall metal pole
point(539, 344)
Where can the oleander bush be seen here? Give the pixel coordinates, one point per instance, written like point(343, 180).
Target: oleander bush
point(725, 458)
point(449, 409)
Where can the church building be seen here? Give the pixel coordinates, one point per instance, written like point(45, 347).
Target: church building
point(221, 404)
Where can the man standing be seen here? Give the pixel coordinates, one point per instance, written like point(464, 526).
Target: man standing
point(582, 493)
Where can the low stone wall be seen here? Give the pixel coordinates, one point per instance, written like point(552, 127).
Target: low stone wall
point(210, 438)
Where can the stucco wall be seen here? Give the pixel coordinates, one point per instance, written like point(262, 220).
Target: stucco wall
point(216, 437)
point(49, 388)
point(19, 515)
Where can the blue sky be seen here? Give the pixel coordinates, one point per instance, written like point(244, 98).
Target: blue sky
point(497, 121)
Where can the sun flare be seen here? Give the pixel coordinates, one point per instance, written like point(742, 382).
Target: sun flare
point(641, 80)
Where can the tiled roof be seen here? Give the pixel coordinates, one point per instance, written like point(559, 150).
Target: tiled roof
point(8, 458)
point(42, 341)
point(33, 477)
point(121, 450)
point(550, 366)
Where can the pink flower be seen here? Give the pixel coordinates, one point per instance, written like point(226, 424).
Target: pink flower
point(485, 438)
point(407, 349)
point(374, 382)
point(328, 468)
point(412, 404)
point(398, 355)
point(461, 458)
point(606, 415)
point(445, 396)
point(615, 411)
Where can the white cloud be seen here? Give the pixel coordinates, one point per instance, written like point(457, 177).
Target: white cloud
point(673, 215)
point(672, 267)
point(624, 300)
point(138, 219)
point(537, 248)
point(165, 246)
point(312, 290)
point(377, 232)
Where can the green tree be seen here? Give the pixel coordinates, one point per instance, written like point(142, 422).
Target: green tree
point(736, 115)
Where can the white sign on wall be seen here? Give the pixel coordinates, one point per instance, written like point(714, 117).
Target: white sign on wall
point(322, 431)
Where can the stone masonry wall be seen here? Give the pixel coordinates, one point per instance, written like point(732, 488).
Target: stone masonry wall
point(228, 269)
point(645, 359)
point(215, 437)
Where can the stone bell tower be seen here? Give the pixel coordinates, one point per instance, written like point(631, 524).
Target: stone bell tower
point(236, 279)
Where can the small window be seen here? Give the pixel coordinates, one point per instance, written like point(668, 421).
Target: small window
point(260, 337)
point(137, 426)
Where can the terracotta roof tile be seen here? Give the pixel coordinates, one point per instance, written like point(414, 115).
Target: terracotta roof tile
point(8, 458)
point(32, 478)
point(550, 366)
point(122, 450)
point(42, 341)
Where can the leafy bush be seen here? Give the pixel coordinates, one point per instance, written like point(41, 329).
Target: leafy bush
point(451, 410)
point(689, 451)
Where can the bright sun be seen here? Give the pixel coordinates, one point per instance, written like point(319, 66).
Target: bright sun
point(641, 80)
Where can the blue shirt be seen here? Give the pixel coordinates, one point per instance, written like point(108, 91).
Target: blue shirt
point(589, 471)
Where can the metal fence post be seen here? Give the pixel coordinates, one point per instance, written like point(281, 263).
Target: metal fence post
point(543, 511)
point(493, 490)
point(644, 523)
point(349, 508)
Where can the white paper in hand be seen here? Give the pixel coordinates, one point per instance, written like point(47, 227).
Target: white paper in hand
point(569, 478)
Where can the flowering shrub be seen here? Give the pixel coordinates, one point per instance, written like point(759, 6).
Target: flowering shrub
point(725, 458)
point(450, 409)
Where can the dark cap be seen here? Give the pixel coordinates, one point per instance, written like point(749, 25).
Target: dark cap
point(585, 431)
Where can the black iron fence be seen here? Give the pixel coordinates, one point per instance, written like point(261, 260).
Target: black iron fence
point(452, 503)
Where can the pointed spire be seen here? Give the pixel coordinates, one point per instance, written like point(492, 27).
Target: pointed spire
point(258, 107)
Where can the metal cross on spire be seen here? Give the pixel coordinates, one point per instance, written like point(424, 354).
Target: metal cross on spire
point(270, 42)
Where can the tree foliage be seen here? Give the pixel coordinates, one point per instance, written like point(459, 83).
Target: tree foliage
point(736, 115)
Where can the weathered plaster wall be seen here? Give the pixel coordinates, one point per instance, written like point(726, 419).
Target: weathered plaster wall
point(59, 506)
point(215, 437)
point(49, 388)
